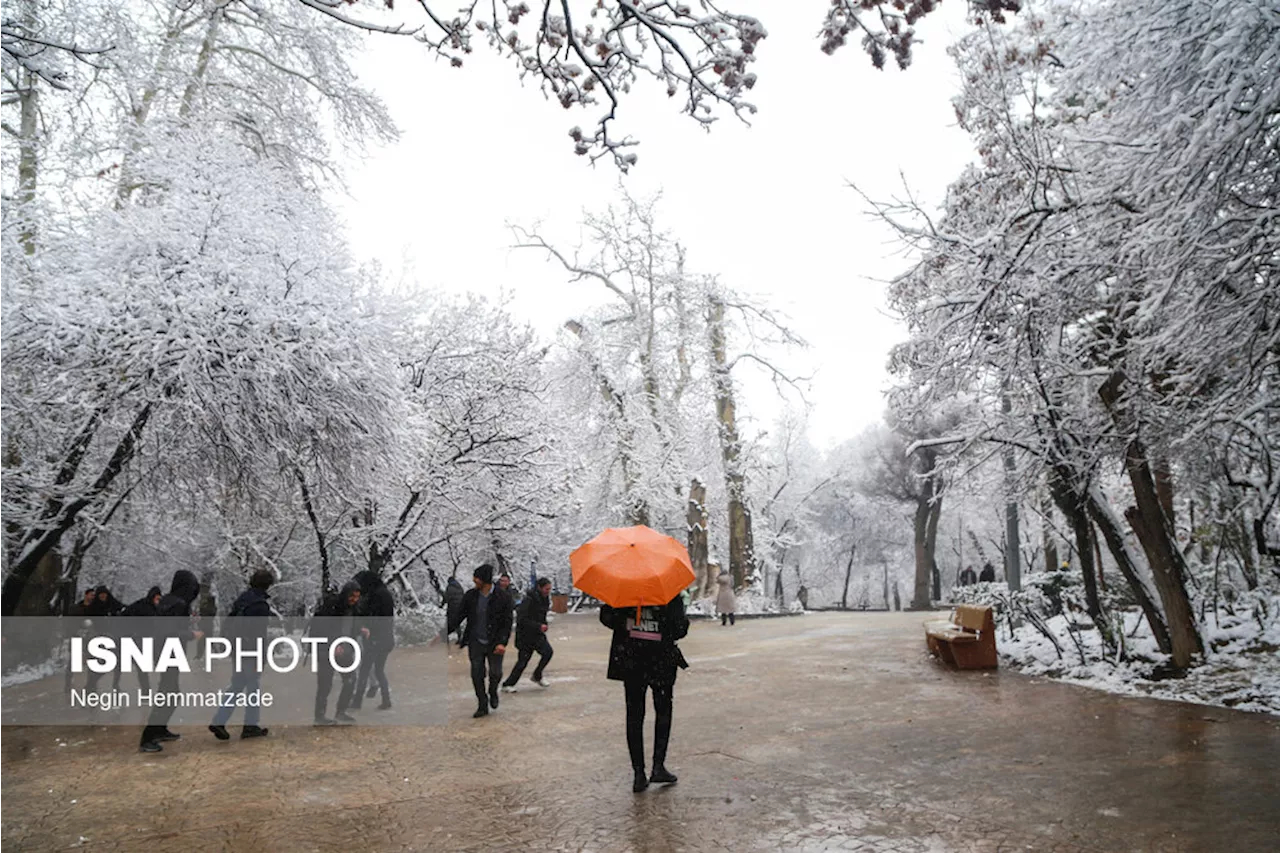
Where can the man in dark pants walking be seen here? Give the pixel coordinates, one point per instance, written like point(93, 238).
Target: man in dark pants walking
point(487, 611)
point(531, 635)
point(248, 624)
point(335, 618)
point(173, 617)
point(380, 610)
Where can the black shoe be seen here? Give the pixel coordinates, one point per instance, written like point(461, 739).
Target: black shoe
point(150, 746)
point(344, 717)
point(641, 782)
point(220, 732)
point(253, 731)
point(385, 706)
point(540, 682)
point(324, 721)
point(662, 776)
point(493, 700)
point(373, 691)
point(167, 735)
point(480, 712)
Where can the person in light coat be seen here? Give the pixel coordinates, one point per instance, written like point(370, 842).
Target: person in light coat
point(726, 601)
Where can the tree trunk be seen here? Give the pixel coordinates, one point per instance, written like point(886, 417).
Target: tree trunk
point(326, 583)
point(741, 556)
point(1013, 538)
point(696, 525)
point(1168, 568)
point(927, 512)
point(848, 575)
point(1109, 525)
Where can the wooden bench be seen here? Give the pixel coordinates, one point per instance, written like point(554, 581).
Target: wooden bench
point(967, 640)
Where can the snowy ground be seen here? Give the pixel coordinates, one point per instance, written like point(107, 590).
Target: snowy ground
point(1241, 668)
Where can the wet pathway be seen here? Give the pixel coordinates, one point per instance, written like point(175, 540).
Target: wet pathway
point(828, 731)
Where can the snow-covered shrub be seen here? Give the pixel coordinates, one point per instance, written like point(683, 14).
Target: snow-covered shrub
point(420, 625)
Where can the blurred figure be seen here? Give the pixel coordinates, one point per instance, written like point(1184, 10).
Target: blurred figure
point(531, 635)
point(377, 604)
point(726, 601)
point(335, 617)
point(174, 618)
point(644, 656)
point(452, 601)
point(968, 577)
point(988, 573)
point(249, 615)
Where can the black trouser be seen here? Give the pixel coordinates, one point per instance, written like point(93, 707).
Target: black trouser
point(726, 617)
point(324, 683)
point(544, 650)
point(635, 690)
point(375, 661)
point(158, 722)
point(479, 655)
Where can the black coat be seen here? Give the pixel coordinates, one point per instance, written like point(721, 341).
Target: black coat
point(653, 655)
point(530, 617)
point(174, 609)
point(250, 612)
point(452, 598)
point(378, 605)
point(499, 615)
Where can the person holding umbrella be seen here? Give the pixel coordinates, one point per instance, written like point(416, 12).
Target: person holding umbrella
point(640, 574)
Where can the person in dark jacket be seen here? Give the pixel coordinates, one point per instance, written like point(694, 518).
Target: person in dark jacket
point(173, 613)
point(248, 625)
point(644, 656)
point(100, 606)
point(336, 617)
point(379, 609)
point(487, 611)
point(452, 601)
point(83, 609)
point(145, 606)
point(968, 577)
point(988, 573)
point(531, 635)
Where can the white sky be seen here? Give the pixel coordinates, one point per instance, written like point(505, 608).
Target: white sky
point(765, 207)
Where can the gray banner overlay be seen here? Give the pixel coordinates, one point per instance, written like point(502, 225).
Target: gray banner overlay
point(118, 671)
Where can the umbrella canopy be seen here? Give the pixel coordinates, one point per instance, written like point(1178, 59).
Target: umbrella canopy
point(631, 567)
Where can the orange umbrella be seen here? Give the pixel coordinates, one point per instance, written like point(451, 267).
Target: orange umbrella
point(631, 567)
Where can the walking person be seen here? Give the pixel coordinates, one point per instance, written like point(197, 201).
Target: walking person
point(145, 606)
point(644, 657)
point(452, 601)
point(173, 617)
point(968, 577)
point(487, 611)
point(988, 573)
point(531, 635)
point(726, 601)
point(334, 618)
point(380, 609)
point(249, 615)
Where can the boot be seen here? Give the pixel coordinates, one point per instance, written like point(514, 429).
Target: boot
point(252, 731)
point(324, 721)
point(482, 711)
point(662, 776)
point(150, 746)
point(344, 717)
point(220, 732)
point(493, 700)
point(168, 735)
point(641, 783)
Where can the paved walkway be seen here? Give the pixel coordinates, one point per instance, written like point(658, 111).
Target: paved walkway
point(828, 731)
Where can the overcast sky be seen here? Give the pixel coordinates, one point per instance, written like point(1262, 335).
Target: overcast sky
point(766, 208)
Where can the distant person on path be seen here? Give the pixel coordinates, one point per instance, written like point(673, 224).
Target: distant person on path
point(336, 617)
point(452, 601)
point(173, 615)
point(726, 601)
point(84, 608)
point(249, 615)
point(988, 573)
point(531, 635)
point(968, 577)
point(803, 595)
point(487, 611)
point(380, 608)
point(644, 656)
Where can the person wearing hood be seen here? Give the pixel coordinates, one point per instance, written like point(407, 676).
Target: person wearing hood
point(452, 601)
point(644, 657)
point(726, 602)
point(487, 611)
point(379, 609)
point(174, 612)
point(336, 617)
point(248, 624)
point(145, 606)
point(531, 635)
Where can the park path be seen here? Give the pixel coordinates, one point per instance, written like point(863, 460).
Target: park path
point(824, 731)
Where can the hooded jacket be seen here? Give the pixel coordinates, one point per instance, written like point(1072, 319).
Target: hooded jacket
point(379, 608)
point(175, 608)
point(143, 606)
point(530, 617)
